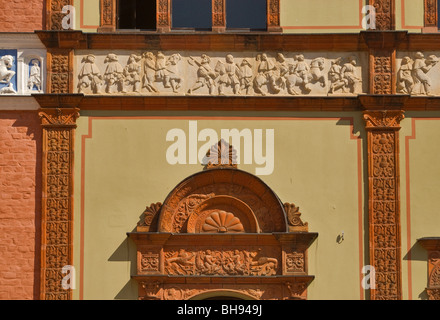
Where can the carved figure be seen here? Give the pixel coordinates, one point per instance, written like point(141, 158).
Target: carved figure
point(316, 68)
point(172, 77)
point(405, 81)
point(180, 263)
point(350, 77)
point(149, 72)
point(6, 64)
point(264, 265)
point(207, 263)
point(267, 75)
point(205, 74)
point(6, 74)
point(421, 66)
point(335, 76)
point(161, 69)
point(89, 76)
point(246, 76)
point(229, 75)
point(34, 76)
point(302, 69)
point(132, 72)
point(235, 264)
point(114, 74)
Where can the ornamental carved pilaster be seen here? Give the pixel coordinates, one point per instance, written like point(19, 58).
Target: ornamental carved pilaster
point(273, 16)
point(381, 75)
point(59, 71)
point(385, 14)
point(163, 15)
point(432, 245)
point(108, 15)
point(54, 13)
point(431, 15)
point(218, 15)
point(384, 202)
point(57, 200)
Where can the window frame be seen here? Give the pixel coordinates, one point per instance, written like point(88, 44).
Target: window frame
point(108, 13)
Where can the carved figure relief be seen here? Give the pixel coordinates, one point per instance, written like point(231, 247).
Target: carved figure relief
point(34, 80)
point(167, 73)
point(89, 76)
point(220, 262)
point(6, 74)
point(414, 76)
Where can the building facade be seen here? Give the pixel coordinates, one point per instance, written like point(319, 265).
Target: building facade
point(198, 149)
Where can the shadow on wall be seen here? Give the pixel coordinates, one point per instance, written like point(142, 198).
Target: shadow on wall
point(418, 253)
point(126, 251)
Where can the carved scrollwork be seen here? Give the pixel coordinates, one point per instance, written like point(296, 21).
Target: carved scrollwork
point(294, 218)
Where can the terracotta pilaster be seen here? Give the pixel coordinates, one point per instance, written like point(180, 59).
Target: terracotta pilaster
point(273, 16)
point(59, 71)
point(385, 14)
point(218, 15)
point(57, 200)
point(384, 201)
point(432, 245)
point(163, 15)
point(54, 14)
point(108, 16)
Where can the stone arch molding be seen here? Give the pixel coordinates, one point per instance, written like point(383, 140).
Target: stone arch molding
point(222, 230)
point(222, 201)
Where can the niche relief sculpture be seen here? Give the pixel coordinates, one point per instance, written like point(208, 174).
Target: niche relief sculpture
point(418, 74)
point(7, 64)
point(219, 74)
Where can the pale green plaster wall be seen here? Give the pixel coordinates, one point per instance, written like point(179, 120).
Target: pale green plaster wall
point(419, 203)
point(126, 170)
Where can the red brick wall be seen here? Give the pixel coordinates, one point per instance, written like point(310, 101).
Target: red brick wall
point(20, 213)
point(21, 15)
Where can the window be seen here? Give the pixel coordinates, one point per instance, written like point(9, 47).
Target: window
point(246, 14)
point(137, 14)
point(193, 14)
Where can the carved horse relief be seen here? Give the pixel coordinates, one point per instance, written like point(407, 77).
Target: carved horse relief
point(6, 74)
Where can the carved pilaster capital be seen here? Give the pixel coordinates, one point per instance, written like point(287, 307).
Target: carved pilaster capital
point(59, 117)
point(383, 119)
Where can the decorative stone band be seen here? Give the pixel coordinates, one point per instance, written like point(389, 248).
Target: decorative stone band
point(57, 200)
point(238, 74)
point(385, 14)
point(384, 203)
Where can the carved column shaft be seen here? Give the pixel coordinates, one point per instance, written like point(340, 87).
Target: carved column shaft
point(108, 16)
point(59, 71)
point(163, 15)
point(273, 16)
point(385, 14)
point(218, 15)
point(384, 202)
point(431, 15)
point(54, 14)
point(382, 78)
point(57, 200)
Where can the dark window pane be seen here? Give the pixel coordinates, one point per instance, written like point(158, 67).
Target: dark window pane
point(137, 14)
point(249, 14)
point(195, 14)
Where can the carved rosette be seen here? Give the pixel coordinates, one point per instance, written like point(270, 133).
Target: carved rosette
point(382, 72)
point(221, 155)
point(385, 14)
point(149, 222)
point(431, 16)
point(57, 203)
point(384, 210)
point(54, 13)
point(60, 71)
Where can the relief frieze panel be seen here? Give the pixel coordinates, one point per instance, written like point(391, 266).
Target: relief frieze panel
point(221, 73)
point(418, 73)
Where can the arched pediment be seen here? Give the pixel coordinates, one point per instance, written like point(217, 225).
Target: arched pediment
point(222, 200)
